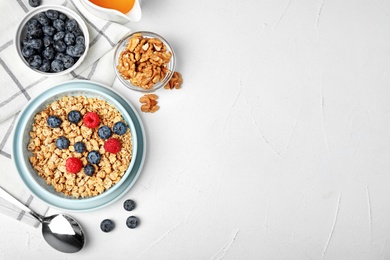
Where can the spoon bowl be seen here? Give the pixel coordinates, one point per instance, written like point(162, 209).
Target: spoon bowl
point(61, 231)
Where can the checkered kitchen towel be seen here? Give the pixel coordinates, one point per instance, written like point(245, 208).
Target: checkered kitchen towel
point(19, 85)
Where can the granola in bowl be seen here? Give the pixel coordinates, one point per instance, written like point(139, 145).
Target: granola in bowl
point(80, 145)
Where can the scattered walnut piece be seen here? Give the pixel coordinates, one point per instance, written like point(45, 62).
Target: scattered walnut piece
point(149, 103)
point(175, 82)
point(144, 61)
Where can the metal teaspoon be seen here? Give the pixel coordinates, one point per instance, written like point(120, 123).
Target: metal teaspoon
point(60, 231)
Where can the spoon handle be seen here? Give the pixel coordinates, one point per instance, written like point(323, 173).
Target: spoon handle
point(8, 197)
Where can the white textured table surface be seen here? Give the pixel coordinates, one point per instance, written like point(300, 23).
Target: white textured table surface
point(276, 147)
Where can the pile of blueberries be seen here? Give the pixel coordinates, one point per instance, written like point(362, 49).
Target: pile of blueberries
point(53, 42)
point(107, 225)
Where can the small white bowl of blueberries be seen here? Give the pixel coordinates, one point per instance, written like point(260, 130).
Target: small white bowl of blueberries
point(52, 40)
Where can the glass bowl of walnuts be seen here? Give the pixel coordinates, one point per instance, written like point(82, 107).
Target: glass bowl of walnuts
point(52, 40)
point(144, 61)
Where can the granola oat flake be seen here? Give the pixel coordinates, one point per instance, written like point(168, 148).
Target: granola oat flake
point(70, 154)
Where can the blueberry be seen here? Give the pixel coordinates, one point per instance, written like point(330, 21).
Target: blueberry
point(59, 36)
point(48, 53)
point(94, 157)
point(78, 32)
point(45, 67)
point(48, 30)
point(35, 43)
point(69, 38)
point(54, 121)
point(71, 25)
point(51, 14)
point(57, 66)
point(89, 170)
point(107, 225)
point(129, 205)
point(27, 51)
point(119, 128)
point(75, 51)
point(132, 222)
point(42, 18)
point(59, 56)
point(62, 16)
point(34, 33)
point(36, 61)
point(34, 3)
point(62, 142)
point(47, 41)
point(59, 46)
point(33, 24)
point(80, 40)
point(68, 61)
point(59, 24)
point(79, 147)
point(74, 116)
point(79, 49)
point(104, 132)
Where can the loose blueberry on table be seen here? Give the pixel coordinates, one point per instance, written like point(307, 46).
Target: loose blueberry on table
point(132, 222)
point(53, 43)
point(107, 225)
point(129, 205)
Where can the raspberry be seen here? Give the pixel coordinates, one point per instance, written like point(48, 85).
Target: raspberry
point(91, 120)
point(112, 145)
point(73, 165)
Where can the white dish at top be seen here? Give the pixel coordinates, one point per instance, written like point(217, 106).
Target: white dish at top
point(112, 15)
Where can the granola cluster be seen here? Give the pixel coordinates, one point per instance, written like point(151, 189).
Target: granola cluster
point(50, 161)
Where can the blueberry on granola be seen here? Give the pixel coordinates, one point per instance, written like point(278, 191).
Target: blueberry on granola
point(104, 132)
point(62, 142)
point(119, 128)
point(107, 225)
point(94, 157)
point(89, 170)
point(129, 205)
point(79, 147)
point(74, 116)
point(54, 121)
point(132, 222)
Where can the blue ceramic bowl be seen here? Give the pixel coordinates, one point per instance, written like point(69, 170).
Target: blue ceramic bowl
point(37, 185)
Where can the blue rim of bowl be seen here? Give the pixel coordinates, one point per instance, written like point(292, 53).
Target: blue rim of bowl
point(69, 203)
point(122, 44)
point(32, 13)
